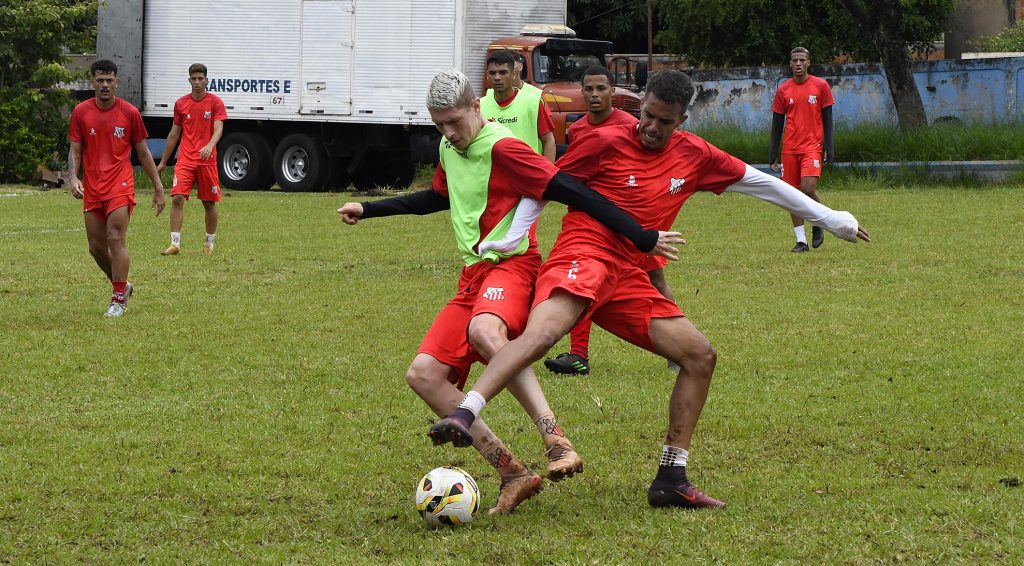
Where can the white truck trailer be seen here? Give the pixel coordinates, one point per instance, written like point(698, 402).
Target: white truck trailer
point(318, 92)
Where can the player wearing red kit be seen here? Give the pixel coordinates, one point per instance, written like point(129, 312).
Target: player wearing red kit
point(484, 176)
point(804, 105)
point(198, 122)
point(597, 86)
point(649, 171)
point(103, 131)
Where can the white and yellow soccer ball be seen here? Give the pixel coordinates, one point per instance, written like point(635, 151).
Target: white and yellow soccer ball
point(447, 496)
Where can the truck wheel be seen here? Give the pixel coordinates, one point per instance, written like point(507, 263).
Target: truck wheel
point(243, 161)
point(386, 171)
point(300, 163)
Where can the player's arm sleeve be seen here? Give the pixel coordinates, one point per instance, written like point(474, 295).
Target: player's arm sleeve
point(567, 190)
point(422, 202)
point(526, 214)
point(544, 122)
point(778, 192)
point(778, 122)
point(826, 133)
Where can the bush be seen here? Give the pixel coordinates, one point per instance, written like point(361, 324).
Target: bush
point(1009, 40)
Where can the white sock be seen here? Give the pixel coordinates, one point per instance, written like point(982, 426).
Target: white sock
point(209, 239)
point(176, 239)
point(801, 233)
point(474, 403)
point(673, 456)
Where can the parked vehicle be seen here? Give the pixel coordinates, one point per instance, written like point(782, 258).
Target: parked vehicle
point(321, 93)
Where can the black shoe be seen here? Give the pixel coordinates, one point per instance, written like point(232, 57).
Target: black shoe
point(451, 430)
point(568, 364)
point(668, 494)
point(800, 248)
point(817, 237)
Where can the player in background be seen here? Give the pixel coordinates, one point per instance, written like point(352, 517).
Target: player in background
point(103, 131)
point(649, 171)
point(522, 111)
point(597, 85)
point(482, 178)
point(198, 122)
point(803, 104)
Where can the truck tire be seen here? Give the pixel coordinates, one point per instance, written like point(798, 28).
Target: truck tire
point(384, 171)
point(300, 163)
point(243, 161)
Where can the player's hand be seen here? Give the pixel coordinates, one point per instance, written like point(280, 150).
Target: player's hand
point(774, 166)
point(159, 202)
point(351, 212)
point(77, 189)
point(826, 158)
point(160, 167)
point(863, 234)
point(205, 152)
point(666, 245)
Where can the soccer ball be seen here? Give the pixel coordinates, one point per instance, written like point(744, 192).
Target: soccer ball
point(447, 496)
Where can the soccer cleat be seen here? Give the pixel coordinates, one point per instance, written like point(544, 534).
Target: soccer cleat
point(207, 249)
point(450, 430)
point(563, 461)
point(171, 250)
point(568, 363)
point(800, 248)
point(114, 310)
point(128, 290)
point(817, 236)
point(515, 490)
point(663, 493)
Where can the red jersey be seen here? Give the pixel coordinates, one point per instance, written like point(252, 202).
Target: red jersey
point(801, 103)
point(650, 186)
point(107, 137)
point(516, 171)
point(196, 117)
point(583, 126)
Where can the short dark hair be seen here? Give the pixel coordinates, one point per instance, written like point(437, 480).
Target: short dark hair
point(502, 57)
point(102, 66)
point(598, 70)
point(672, 87)
point(800, 50)
point(197, 68)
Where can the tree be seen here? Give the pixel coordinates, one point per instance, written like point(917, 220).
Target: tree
point(34, 37)
point(623, 22)
point(757, 32)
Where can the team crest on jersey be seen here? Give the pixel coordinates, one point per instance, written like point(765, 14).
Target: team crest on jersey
point(214, 189)
point(813, 99)
point(92, 131)
point(675, 185)
point(631, 182)
point(494, 294)
point(207, 114)
point(118, 132)
point(791, 101)
point(188, 116)
point(817, 164)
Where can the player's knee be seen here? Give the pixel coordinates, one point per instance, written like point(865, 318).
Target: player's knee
point(542, 339)
point(178, 200)
point(699, 361)
point(419, 379)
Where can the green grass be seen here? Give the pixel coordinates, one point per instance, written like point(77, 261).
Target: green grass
point(869, 143)
point(251, 406)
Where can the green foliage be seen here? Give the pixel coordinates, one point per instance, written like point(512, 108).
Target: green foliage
point(34, 37)
point(1009, 40)
point(623, 22)
point(761, 32)
point(251, 407)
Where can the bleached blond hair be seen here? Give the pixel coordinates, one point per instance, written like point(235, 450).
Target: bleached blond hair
point(449, 89)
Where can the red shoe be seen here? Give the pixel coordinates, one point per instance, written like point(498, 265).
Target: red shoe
point(667, 494)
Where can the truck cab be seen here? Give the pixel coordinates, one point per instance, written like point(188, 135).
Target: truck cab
point(554, 60)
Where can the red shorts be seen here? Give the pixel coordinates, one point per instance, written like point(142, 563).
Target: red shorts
point(503, 289)
point(103, 208)
point(653, 263)
point(623, 299)
point(796, 166)
point(188, 174)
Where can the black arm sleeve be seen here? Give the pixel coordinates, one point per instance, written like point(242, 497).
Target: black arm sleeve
point(421, 202)
point(567, 190)
point(778, 121)
point(826, 134)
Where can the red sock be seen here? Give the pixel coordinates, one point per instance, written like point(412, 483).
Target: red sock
point(119, 291)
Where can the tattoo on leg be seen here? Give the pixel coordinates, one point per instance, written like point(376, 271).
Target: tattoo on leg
point(550, 426)
point(499, 458)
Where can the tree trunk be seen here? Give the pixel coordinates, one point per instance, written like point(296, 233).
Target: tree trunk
point(880, 20)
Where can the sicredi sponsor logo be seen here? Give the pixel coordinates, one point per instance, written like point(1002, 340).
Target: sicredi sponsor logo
point(255, 86)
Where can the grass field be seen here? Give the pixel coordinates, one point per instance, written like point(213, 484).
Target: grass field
point(251, 406)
